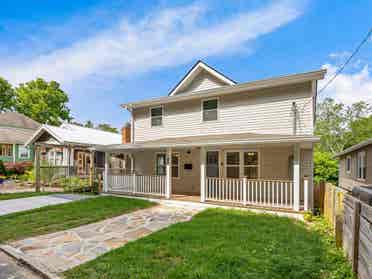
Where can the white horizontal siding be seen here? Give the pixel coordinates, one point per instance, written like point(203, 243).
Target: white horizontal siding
point(265, 112)
point(202, 81)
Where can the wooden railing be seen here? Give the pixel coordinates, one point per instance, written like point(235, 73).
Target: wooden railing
point(267, 193)
point(153, 185)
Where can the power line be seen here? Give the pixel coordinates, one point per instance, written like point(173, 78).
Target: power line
point(342, 67)
point(346, 62)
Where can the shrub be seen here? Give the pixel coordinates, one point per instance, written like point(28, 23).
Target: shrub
point(3, 171)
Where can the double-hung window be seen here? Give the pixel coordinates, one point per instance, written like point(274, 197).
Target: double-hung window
point(251, 164)
point(23, 152)
point(6, 150)
point(210, 109)
point(361, 165)
point(156, 116)
point(348, 164)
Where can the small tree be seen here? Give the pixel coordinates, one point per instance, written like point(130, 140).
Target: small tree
point(325, 167)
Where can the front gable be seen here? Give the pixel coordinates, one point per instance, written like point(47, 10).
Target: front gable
point(201, 77)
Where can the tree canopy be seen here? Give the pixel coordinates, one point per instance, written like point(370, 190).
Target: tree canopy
point(7, 96)
point(42, 101)
point(339, 126)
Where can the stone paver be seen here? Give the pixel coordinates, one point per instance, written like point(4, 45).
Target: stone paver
point(9, 269)
point(16, 205)
point(61, 251)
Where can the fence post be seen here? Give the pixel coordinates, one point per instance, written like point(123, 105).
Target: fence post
point(245, 191)
point(306, 193)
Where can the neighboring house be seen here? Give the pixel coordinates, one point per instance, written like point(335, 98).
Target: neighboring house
point(71, 146)
point(15, 130)
point(249, 143)
point(355, 166)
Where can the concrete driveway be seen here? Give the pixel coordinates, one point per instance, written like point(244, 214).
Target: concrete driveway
point(16, 205)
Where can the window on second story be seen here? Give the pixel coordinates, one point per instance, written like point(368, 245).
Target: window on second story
point(361, 165)
point(156, 116)
point(210, 110)
point(348, 164)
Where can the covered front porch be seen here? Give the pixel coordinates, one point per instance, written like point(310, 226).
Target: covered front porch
point(272, 175)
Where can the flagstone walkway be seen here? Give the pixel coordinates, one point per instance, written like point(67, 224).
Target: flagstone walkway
point(61, 251)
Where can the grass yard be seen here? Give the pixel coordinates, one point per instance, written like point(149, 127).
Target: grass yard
point(10, 196)
point(221, 243)
point(65, 216)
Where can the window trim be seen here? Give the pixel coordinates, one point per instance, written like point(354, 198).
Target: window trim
point(364, 166)
point(241, 161)
point(202, 109)
point(162, 116)
point(348, 158)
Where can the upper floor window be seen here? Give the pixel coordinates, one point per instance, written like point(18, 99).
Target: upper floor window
point(6, 150)
point(156, 116)
point(348, 164)
point(361, 165)
point(210, 110)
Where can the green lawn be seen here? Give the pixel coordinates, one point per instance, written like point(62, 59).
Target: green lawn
point(10, 196)
point(224, 244)
point(65, 216)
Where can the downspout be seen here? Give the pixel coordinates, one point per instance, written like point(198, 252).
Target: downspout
point(294, 110)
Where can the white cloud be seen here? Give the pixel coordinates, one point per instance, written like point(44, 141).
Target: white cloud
point(165, 38)
point(348, 87)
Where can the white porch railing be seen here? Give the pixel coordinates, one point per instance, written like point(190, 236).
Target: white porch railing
point(137, 184)
point(267, 193)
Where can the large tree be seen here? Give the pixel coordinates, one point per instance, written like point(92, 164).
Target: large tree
point(6, 96)
point(42, 101)
point(107, 128)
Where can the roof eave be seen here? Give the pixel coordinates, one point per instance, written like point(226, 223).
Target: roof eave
point(248, 86)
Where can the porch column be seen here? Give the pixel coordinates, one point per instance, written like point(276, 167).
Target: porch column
point(105, 173)
point(203, 155)
point(14, 153)
point(296, 177)
point(37, 168)
point(168, 173)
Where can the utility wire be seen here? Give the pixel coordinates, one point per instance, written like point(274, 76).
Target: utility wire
point(342, 67)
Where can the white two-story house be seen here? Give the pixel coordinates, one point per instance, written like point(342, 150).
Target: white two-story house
point(216, 140)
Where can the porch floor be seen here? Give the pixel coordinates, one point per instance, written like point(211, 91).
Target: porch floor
point(186, 198)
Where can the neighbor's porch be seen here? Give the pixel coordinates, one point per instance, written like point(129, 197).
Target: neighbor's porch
point(266, 175)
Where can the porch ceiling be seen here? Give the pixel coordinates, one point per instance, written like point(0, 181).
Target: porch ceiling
point(214, 140)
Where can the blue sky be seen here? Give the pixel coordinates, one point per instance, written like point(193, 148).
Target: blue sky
point(105, 53)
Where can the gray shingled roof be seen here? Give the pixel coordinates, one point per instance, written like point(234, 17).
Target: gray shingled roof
point(18, 120)
point(15, 135)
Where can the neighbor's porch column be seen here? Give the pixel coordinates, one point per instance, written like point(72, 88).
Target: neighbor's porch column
point(296, 177)
point(37, 168)
point(168, 174)
point(14, 153)
point(203, 155)
point(105, 173)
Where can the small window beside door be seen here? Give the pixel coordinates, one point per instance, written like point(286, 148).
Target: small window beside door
point(156, 116)
point(210, 109)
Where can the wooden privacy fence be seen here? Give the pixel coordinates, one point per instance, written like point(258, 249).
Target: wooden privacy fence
point(153, 185)
point(357, 236)
point(267, 193)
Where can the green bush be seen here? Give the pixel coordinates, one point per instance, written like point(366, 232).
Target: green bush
point(3, 171)
point(325, 167)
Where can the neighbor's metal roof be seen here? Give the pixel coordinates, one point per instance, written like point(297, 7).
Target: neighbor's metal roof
point(74, 134)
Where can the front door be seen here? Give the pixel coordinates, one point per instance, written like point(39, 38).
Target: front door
point(213, 164)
